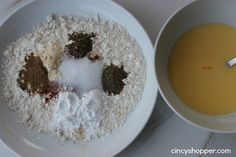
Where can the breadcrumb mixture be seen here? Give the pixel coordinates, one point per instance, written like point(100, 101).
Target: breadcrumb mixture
point(112, 42)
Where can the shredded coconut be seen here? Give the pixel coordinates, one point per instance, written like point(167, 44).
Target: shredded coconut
point(116, 47)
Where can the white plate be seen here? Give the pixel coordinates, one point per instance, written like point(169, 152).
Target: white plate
point(30, 143)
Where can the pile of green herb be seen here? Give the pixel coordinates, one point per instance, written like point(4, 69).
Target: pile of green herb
point(82, 44)
point(112, 79)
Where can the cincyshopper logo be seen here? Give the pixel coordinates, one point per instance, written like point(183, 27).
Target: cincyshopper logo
point(200, 151)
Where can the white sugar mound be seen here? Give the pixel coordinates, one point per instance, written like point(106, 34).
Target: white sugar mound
point(82, 73)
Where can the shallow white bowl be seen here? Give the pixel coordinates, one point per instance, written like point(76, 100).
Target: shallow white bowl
point(32, 144)
point(198, 12)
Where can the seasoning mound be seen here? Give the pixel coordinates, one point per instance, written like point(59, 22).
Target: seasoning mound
point(102, 56)
point(81, 73)
point(82, 44)
point(51, 57)
point(34, 75)
point(73, 113)
point(112, 79)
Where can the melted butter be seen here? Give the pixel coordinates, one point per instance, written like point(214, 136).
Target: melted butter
point(198, 71)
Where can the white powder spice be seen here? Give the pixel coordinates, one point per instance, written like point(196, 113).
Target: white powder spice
point(112, 42)
point(85, 113)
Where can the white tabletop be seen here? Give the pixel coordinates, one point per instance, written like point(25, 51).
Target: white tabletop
point(164, 131)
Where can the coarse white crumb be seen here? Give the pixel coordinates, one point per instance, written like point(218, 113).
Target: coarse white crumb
point(112, 42)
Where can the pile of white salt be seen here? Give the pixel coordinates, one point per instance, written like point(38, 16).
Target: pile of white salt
point(82, 73)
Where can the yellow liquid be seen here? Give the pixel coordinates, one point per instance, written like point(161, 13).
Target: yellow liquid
point(198, 71)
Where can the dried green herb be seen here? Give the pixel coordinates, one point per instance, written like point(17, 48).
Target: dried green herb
point(82, 44)
point(34, 76)
point(112, 79)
